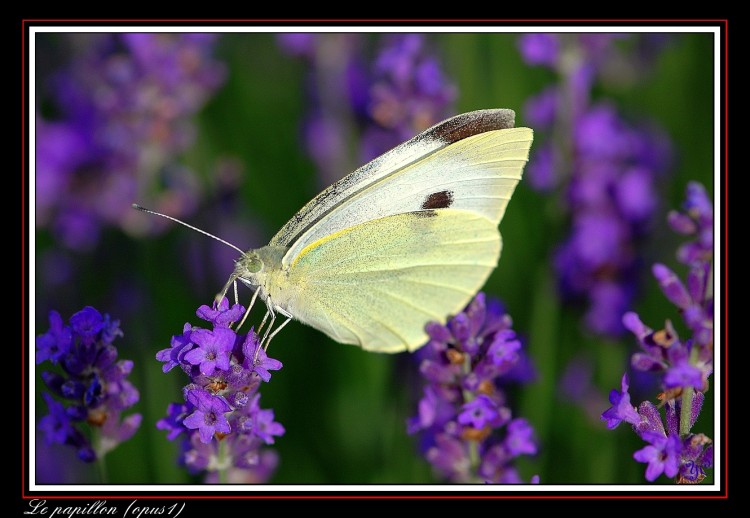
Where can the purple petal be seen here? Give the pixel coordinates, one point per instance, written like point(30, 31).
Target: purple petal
point(540, 49)
point(671, 285)
point(621, 409)
point(519, 440)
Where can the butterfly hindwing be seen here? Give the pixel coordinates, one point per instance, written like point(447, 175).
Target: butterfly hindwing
point(377, 283)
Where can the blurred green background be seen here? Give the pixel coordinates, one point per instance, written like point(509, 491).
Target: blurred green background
point(344, 409)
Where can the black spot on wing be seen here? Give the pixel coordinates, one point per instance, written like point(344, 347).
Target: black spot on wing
point(438, 200)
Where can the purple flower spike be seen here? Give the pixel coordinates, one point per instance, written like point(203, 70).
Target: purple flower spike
point(465, 365)
point(221, 404)
point(605, 169)
point(684, 365)
point(387, 98)
point(123, 104)
point(93, 384)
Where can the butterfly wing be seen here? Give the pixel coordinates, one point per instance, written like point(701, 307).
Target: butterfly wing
point(470, 162)
point(377, 283)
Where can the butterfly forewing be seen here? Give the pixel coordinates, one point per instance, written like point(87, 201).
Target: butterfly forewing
point(472, 161)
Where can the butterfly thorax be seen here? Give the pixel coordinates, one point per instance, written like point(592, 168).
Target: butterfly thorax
point(260, 269)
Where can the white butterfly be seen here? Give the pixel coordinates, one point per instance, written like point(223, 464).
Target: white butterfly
point(407, 238)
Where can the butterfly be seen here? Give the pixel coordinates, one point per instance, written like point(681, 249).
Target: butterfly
point(408, 238)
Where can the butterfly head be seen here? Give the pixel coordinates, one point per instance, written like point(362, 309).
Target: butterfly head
point(248, 266)
point(246, 270)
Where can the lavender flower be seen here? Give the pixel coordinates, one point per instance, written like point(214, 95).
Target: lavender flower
point(621, 409)
point(221, 424)
point(662, 455)
point(408, 93)
point(684, 366)
point(333, 60)
point(606, 167)
point(402, 92)
point(90, 380)
point(125, 103)
point(468, 432)
point(208, 414)
point(576, 385)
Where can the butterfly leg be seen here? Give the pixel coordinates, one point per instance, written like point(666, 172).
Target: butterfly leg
point(285, 322)
point(263, 322)
point(223, 293)
point(270, 312)
point(247, 311)
point(266, 337)
point(270, 325)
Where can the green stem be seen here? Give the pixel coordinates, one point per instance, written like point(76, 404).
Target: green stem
point(101, 464)
point(223, 465)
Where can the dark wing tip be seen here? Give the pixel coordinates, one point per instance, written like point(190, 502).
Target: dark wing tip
point(472, 123)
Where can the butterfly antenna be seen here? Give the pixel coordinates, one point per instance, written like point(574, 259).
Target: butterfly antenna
point(149, 211)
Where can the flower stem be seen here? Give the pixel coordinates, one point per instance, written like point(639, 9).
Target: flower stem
point(223, 465)
point(101, 464)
